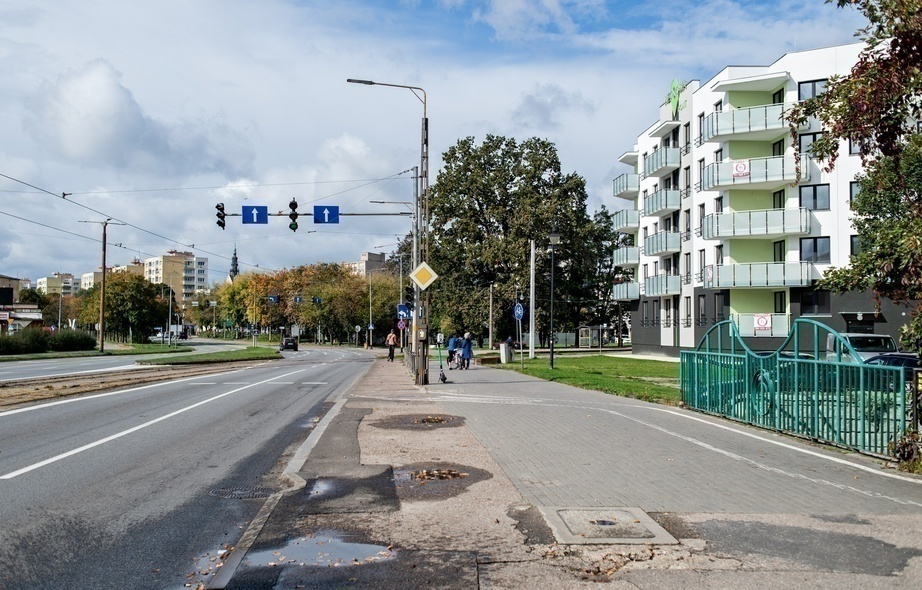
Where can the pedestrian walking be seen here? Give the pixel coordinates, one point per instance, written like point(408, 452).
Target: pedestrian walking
point(466, 351)
point(452, 346)
point(391, 343)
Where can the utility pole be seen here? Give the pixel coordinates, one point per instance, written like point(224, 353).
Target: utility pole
point(102, 285)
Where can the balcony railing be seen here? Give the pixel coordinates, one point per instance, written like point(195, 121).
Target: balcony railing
point(662, 202)
point(626, 186)
point(626, 220)
point(662, 161)
point(756, 173)
point(626, 256)
point(760, 123)
point(664, 242)
point(760, 274)
point(766, 325)
point(626, 291)
point(761, 224)
point(661, 285)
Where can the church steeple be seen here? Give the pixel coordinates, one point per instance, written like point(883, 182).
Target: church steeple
point(234, 270)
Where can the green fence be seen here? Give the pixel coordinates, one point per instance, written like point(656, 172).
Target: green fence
point(796, 390)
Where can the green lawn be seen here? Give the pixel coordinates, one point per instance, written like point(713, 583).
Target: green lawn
point(249, 353)
point(642, 379)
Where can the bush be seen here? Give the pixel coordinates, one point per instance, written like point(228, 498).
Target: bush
point(70, 340)
point(28, 341)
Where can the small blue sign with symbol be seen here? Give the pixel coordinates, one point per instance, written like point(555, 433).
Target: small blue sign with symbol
point(519, 311)
point(273, 298)
point(326, 214)
point(298, 299)
point(403, 312)
point(255, 214)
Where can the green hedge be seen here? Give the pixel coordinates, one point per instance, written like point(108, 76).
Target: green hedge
point(35, 340)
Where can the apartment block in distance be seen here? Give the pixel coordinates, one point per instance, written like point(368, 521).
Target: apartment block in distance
point(59, 282)
point(722, 225)
point(185, 272)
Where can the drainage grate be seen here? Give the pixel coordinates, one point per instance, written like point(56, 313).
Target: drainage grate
point(615, 525)
point(242, 493)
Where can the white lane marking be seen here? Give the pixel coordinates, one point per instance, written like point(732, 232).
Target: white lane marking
point(117, 435)
point(486, 399)
point(107, 394)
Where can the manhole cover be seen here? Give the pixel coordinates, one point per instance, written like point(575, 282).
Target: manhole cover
point(242, 493)
point(610, 526)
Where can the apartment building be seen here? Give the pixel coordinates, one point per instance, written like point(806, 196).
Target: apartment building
point(723, 224)
point(88, 279)
point(368, 262)
point(185, 272)
point(57, 283)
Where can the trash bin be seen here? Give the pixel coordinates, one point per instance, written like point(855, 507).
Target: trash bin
point(505, 353)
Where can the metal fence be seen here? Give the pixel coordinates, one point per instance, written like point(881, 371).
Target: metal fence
point(796, 390)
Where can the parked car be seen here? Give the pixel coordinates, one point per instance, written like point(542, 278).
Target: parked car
point(865, 346)
point(907, 360)
point(289, 343)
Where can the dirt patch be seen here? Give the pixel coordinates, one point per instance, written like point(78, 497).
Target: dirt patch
point(419, 422)
point(14, 394)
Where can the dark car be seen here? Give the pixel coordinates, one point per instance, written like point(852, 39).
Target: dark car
point(289, 343)
point(907, 360)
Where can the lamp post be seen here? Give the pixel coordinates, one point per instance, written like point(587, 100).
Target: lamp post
point(420, 331)
point(554, 239)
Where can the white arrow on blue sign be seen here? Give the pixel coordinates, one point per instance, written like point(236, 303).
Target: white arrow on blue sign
point(326, 214)
point(255, 214)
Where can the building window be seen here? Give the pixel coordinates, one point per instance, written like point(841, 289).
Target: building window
point(646, 316)
point(815, 197)
point(781, 302)
point(778, 148)
point(854, 187)
point(719, 205)
point(687, 180)
point(778, 96)
point(701, 215)
point(778, 199)
point(688, 311)
point(645, 272)
point(806, 142)
point(814, 302)
point(719, 255)
point(780, 251)
point(854, 246)
point(810, 89)
point(718, 156)
point(700, 127)
point(656, 312)
point(719, 306)
point(687, 214)
point(702, 310)
point(814, 250)
point(686, 267)
point(700, 265)
point(687, 129)
point(718, 106)
point(700, 173)
point(853, 148)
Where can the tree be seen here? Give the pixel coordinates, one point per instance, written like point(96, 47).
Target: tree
point(488, 202)
point(34, 297)
point(878, 107)
point(133, 306)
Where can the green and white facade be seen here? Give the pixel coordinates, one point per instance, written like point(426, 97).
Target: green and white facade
point(723, 226)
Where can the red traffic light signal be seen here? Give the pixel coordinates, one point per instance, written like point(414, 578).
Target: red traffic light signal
point(221, 215)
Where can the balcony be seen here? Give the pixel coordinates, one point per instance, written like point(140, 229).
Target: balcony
point(762, 123)
point(662, 161)
point(661, 285)
point(626, 291)
point(760, 275)
point(626, 186)
point(664, 242)
point(756, 173)
point(763, 325)
point(771, 223)
point(626, 257)
point(662, 202)
point(625, 221)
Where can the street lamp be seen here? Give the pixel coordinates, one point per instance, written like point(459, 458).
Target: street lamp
point(554, 239)
point(422, 365)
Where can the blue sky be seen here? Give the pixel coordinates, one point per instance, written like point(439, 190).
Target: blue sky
point(151, 112)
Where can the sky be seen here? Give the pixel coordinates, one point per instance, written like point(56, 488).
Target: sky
point(150, 112)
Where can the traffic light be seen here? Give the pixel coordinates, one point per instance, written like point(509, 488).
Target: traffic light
point(221, 215)
point(293, 216)
point(409, 296)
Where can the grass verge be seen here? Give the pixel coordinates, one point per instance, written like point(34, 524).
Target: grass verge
point(652, 381)
point(249, 353)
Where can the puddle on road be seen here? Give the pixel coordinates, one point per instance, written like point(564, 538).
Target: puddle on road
point(324, 549)
point(321, 487)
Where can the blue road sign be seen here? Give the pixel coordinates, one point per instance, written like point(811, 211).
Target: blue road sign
point(273, 298)
point(298, 299)
point(403, 312)
point(519, 311)
point(255, 214)
point(326, 214)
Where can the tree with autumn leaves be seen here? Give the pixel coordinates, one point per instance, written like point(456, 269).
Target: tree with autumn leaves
point(878, 107)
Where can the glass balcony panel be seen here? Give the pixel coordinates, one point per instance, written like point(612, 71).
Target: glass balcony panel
point(661, 161)
point(662, 202)
point(759, 123)
point(626, 186)
point(627, 256)
point(760, 275)
point(664, 242)
point(760, 224)
point(756, 173)
point(661, 285)
point(626, 291)
point(626, 220)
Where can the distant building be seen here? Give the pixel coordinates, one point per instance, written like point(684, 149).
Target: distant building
point(62, 283)
point(25, 284)
point(135, 267)
point(9, 289)
point(368, 262)
point(88, 279)
point(184, 272)
point(234, 269)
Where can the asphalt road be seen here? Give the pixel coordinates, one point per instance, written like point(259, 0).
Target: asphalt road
point(128, 489)
point(53, 367)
